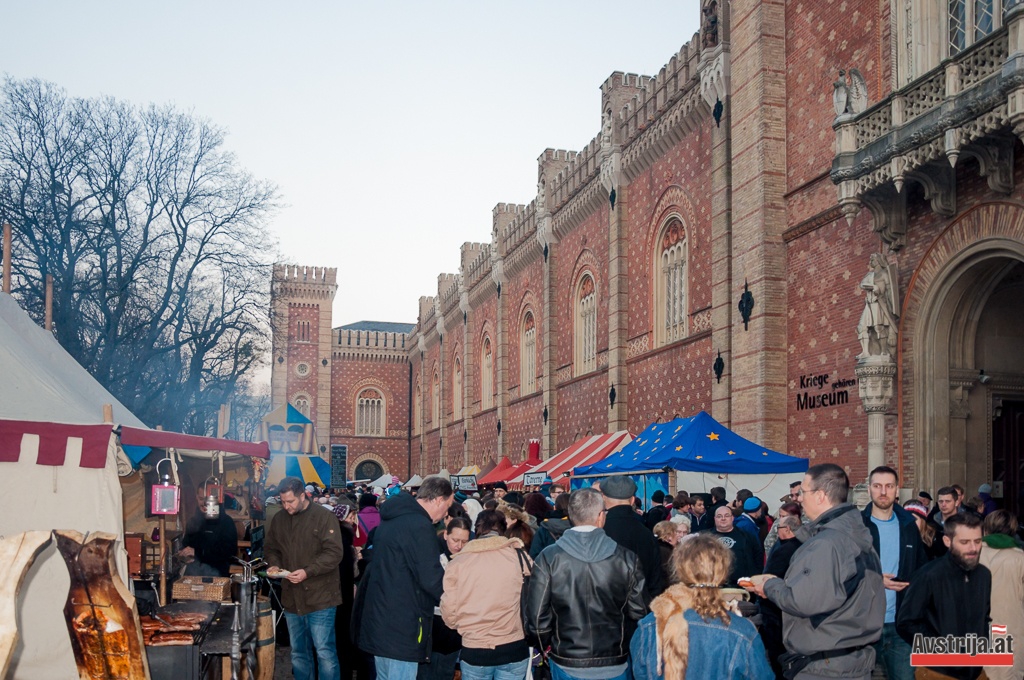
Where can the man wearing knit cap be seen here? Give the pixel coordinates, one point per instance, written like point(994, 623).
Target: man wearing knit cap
point(659, 512)
point(627, 529)
point(748, 520)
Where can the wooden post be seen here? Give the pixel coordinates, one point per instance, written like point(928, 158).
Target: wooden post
point(48, 323)
point(108, 414)
point(163, 560)
point(7, 258)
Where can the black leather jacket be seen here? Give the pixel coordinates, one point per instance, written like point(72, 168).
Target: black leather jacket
point(589, 611)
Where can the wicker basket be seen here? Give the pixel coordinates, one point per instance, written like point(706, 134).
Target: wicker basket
point(212, 588)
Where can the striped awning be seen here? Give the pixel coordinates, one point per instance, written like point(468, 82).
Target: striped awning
point(583, 452)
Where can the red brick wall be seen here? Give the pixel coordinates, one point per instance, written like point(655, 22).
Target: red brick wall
point(583, 407)
point(672, 382)
point(525, 421)
point(307, 351)
point(820, 40)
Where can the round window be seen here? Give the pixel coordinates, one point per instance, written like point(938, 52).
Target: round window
point(302, 369)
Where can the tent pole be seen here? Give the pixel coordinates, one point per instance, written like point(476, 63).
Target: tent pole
point(163, 560)
point(7, 258)
point(48, 323)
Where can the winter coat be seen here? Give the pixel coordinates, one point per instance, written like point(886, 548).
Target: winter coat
point(944, 599)
point(746, 551)
point(817, 614)
point(585, 597)
point(913, 555)
point(626, 528)
point(549, 531)
point(394, 609)
point(1007, 567)
point(482, 589)
point(309, 540)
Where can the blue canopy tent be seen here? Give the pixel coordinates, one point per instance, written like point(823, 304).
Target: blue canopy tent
point(704, 453)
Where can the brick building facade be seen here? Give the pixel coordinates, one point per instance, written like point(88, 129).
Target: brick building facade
point(729, 208)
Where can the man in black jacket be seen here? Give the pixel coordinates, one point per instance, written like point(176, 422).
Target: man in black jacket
point(627, 528)
point(950, 595)
point(586, 595)
point(747, 551)
point(403, 583)
point(901, 552)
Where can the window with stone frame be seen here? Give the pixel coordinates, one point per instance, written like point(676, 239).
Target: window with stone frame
point(435, 401)
point(929, 31)
point(370, 413)
point(456, 389)
point(528, 355)
point(671, 313)
point(301, 404)
point(486, 375)
point(585, 336)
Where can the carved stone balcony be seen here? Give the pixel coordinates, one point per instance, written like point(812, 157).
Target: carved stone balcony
point(970, 105)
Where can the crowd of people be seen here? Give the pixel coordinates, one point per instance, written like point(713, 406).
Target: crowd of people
point(424, 583)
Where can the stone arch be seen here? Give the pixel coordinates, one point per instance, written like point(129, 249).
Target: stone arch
point(362, 458)
point(950, 410)
point(586, 263)
point(672, 201)
point(375, 383)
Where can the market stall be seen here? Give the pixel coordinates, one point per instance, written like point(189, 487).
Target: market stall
point(696, 454)
point(558, 468)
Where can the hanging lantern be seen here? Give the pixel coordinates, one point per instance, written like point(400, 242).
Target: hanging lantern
point(214, 494)
point(165, 496)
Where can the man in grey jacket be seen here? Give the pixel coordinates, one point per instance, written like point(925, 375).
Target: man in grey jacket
point(832, 599)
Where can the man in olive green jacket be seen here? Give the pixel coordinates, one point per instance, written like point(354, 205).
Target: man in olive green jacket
point(305, 540)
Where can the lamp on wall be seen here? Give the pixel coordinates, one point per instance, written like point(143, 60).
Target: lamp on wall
point(611, 397)
point(982, 378)
point(746, 304)
point(719, 367)
point(544, 414)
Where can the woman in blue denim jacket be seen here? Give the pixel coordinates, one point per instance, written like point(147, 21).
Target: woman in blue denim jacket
point(690, 633)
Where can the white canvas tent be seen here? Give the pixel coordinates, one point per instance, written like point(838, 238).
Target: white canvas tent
point(60, 465)
point(41, 382)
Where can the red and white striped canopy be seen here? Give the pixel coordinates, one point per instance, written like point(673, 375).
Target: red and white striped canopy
point(583, 452)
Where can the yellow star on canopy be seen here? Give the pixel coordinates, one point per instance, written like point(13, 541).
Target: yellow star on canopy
point(732, 453)
point(713, 437)
point(764, 453)
point(679, 448)
point(679, 428)
point(699, 457)
point(657, 440)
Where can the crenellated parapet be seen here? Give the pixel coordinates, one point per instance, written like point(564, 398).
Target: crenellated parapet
point(517, 239)
point(479, 267)
point(578, 171)
point(369, 345)
point(426, 314)
point(305, 283)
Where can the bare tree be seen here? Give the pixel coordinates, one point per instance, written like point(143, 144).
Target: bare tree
point(156, 241)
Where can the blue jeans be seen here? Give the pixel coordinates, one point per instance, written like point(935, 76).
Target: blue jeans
point(559, 673)
point(509, 671)
point(309, 632)
point(393, 669)
point(894, 653)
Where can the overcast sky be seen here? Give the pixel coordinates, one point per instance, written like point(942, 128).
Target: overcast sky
point(391, 128)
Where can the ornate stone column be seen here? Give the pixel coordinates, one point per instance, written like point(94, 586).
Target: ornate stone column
point(876, 383)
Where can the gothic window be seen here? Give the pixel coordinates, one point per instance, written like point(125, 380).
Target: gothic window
point(486, 376)
point(670, 287)
point(303, 331)
point(457, 390)
point(370, 417)
point(301, 403)
point(585, 340)
point(435, 402)
point(969, 21)
point(528, 356)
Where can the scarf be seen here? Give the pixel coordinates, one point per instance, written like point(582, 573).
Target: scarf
point(1000, 541)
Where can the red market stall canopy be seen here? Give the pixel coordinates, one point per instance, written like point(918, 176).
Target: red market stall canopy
point(583, 452)
point(498, 473)
point(185, 443)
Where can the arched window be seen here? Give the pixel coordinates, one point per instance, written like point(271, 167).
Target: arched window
point(528, 356)
point(585, 340)
point(486, 375)
point(670, 302)
point(370, 417)
point(301, 403)
point(457, 390)
point(968, 21)
point(435, 402)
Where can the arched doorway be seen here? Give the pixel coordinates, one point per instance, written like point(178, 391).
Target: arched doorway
point(969, 365)
point(368, 469)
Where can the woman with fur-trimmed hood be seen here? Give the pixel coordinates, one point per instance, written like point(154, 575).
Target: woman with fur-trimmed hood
point(482, 589)
point(690, 632)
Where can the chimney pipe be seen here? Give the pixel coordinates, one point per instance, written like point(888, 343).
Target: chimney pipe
point(48, 323)
point(7, 259)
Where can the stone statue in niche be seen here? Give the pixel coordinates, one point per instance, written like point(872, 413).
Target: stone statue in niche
point(878, 330)
point(709, 24)
point(850, 96)
point(606, 129)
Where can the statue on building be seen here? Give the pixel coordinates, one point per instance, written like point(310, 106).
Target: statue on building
point(709, 24)
point(878, 329)
point(606, 130)
point(850, 96)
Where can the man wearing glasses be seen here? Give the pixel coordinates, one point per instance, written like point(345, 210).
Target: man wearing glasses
point(832, 599)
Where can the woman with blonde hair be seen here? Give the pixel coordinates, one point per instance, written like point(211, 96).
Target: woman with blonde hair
point(690, 632)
